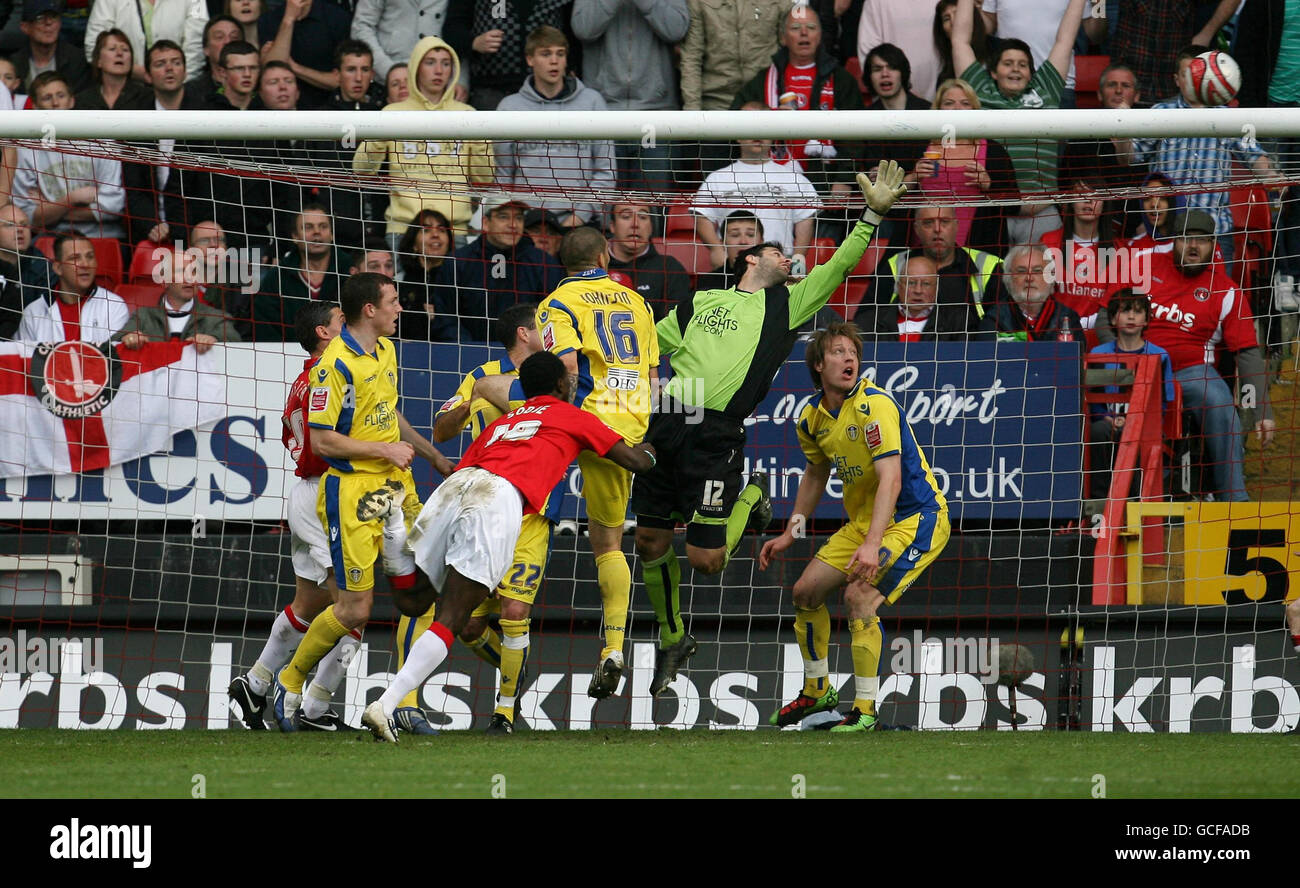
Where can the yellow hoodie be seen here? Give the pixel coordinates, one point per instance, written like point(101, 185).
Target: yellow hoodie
point(449, 167)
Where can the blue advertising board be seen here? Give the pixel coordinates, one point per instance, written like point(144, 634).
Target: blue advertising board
point(1001, 423)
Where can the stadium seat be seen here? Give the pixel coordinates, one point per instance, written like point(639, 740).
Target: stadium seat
point(1087, 79)
point(142, 263)
point(693, 256)
point(821, 250)
point(853, 291)
point(46, 246)
point(136, 295)
point(108, 255)
point(679, 218)
point(845, 299)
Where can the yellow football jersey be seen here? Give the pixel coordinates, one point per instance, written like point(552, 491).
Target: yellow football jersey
point(613, 332)
point(482, 412)
point(354, 393)
point(868, 426)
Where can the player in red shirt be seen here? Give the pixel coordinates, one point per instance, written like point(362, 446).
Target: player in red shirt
point(314, 589)
point(1194, 309)
point(465, 535)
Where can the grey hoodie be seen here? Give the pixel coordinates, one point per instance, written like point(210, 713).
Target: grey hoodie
point(569, 166)
point(627, 50)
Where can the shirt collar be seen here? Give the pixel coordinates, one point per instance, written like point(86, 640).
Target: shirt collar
point(590, 274)
point(351, 342)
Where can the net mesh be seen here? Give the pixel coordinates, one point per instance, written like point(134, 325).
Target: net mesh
point(162, 566)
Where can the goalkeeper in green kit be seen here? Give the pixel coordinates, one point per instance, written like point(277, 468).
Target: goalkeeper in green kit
point(725, 347)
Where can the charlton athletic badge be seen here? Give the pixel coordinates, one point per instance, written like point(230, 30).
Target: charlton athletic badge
point(1201, 294)
point(74, 380)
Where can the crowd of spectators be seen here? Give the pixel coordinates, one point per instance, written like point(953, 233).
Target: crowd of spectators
point(975, 262)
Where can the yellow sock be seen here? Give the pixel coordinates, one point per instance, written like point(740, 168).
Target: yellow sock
point(813, 630)
point(408, 630)
point(487, 647)
point(867, 641)
point(615, 579)
point(323, 633)
point(514, 654)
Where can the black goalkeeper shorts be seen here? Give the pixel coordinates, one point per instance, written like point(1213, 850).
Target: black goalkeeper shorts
point(697, 476)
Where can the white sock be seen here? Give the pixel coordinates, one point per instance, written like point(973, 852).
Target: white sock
point(286, 634)
point(397, 560)
point(315, 701)
point(329, 674)
point(425, 655)
point(866, 687)
point(260, 678)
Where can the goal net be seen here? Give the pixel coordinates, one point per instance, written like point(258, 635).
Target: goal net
point(1121, 549)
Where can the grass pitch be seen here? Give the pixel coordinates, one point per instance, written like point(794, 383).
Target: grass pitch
point(614, 764)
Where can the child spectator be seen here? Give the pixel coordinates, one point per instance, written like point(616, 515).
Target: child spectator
point(1129, 314)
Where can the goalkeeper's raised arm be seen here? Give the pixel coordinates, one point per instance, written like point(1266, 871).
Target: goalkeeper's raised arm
point(810, 294)
point(734, 340)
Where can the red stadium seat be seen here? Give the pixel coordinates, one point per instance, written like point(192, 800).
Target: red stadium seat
point(693, 256)
point(46, 246)
point(821, 250)
point(679, 218)
point(108, 255)
point(142, 263)
point(137, 295)
point(845, 299)
point(852, 291)
point(1087, 79)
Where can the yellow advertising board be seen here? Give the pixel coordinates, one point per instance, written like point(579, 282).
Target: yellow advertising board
point(1240, 552)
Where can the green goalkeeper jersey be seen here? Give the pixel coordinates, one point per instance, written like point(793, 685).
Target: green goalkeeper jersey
point(726, 346)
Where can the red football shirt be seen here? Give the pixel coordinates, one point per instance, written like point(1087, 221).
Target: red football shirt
point(1081, 282)
point(71, 315)
point(796, 88)
point(1191, 315)
point(297, 434)
point(532, 446)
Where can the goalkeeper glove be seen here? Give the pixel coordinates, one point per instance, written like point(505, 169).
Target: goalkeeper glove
point(882, 193)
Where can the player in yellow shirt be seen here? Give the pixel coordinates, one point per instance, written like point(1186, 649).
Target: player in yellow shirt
point(605, 334)
point(369, 446)
point(514, 596)
point(898, 522)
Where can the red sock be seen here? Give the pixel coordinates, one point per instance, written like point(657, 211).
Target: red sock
point(442, 632)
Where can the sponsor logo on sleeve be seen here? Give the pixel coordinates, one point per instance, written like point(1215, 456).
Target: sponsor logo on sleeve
point(320, 399)
point(873, 434)
point(548, 337)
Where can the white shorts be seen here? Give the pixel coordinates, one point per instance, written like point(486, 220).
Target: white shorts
point(470, 523)
point(311, 551)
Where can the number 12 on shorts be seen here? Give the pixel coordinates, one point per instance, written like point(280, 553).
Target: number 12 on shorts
point(712, 494)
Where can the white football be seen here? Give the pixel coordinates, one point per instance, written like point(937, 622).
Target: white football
point(1215, 77)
